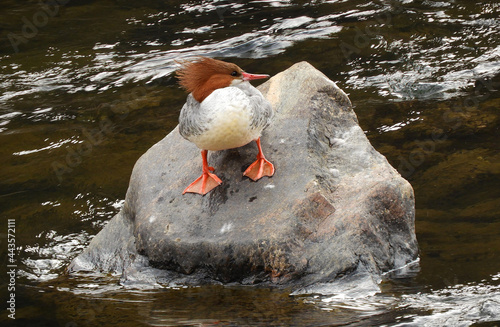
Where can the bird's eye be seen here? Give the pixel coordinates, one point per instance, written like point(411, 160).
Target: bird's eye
point(234, 73)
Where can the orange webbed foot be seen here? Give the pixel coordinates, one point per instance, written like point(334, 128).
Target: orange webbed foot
point(207, 181)
point(260, 168)
point(203, 184)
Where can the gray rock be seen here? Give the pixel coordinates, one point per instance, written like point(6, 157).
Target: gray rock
point(334, 204)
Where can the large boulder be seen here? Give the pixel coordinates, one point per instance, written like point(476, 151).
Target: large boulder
point(334, 204)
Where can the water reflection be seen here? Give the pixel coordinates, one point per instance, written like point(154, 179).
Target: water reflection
point(428, 63)
point(44, 263)
point(457, 305)
point(93, 301)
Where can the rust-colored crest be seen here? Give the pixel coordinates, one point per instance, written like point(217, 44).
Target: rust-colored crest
point(204, 75)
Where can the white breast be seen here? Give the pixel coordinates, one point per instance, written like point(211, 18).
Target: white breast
point(229, 121)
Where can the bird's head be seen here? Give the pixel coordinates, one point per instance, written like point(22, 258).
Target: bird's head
point(201, 77)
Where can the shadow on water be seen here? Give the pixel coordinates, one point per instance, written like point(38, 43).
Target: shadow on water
point(86, 87)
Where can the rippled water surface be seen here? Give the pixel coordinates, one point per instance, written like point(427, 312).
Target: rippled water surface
point(86, 87)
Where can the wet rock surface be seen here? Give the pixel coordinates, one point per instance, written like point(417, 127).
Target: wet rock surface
point(334, 204)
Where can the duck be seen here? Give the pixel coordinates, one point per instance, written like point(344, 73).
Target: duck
point(222, 111)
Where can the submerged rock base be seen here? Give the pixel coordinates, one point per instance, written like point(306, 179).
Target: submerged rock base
point(334, 204)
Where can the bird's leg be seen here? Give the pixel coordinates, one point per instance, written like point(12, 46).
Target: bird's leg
point(206, 182)
point(261, 167)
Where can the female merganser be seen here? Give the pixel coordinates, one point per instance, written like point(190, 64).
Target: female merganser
point(222, 111)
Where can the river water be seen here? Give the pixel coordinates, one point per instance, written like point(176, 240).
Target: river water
point(86, 87)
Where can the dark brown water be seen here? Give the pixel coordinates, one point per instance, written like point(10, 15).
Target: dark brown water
point(86, 87)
